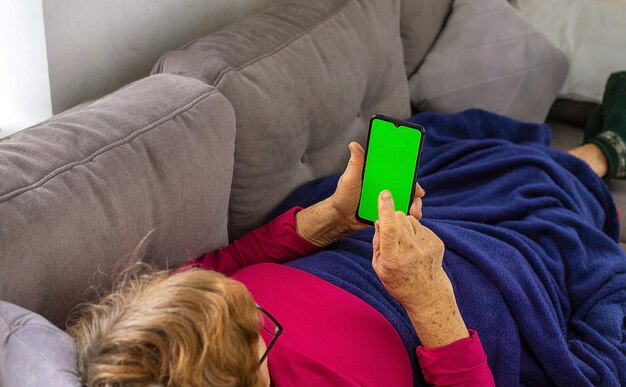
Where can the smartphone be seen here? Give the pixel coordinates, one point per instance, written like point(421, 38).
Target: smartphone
point(391, 160)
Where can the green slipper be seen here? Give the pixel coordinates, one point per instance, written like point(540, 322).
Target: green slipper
point(607, 126)
point(614, 104)
point(594, 125)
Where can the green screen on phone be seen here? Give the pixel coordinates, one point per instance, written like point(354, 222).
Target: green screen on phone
point(390, 163)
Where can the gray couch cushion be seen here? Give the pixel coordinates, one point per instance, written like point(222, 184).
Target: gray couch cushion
point(420, 24)
point(78, 192)
point(304, 77)
point(33, 352)
point(490, 57)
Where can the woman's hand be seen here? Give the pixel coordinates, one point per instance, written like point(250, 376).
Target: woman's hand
point(408, 260)
point(346, 197)
point(407, 256)
point(329, 220)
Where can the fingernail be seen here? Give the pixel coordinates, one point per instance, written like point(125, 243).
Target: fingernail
point(386, 196)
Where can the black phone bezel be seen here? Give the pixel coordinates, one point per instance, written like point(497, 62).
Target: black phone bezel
point(397, 123)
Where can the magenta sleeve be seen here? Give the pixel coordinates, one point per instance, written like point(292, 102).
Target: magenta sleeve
point(461, 363)
point(275, 242)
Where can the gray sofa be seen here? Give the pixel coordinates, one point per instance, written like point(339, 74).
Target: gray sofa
point(196, 154)
point(200, 151)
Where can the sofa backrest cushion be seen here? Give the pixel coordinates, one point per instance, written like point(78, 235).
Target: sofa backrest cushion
point(420, 24)
point(490, 57)
point(33, 352)
point(81, 190)
point(304, 78)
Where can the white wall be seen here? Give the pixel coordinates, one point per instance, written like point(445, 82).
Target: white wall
point(24, 87)
point(55, 54)
point(96, 46)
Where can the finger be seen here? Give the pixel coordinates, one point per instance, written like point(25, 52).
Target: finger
point(417, 227)
point(419, 191)
point(387, 221)
point(386, 209)
point(403, 221)
point(376, 241)
point(357, 147)
point(407, 232)
point(429, 235)
point(376, 260)
point(416, 205)
point(376, 238)
point(354, 169)
point(416, 208)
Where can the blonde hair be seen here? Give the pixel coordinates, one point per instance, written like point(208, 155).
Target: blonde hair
point(195, 328)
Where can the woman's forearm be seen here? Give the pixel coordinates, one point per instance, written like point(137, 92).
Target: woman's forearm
point(450, 354)
point(275, 242)
point(439, 323)
point(320, 225)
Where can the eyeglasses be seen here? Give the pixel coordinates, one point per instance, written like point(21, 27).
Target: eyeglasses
point(271, 326)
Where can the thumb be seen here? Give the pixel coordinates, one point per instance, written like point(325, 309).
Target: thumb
point(355, 165)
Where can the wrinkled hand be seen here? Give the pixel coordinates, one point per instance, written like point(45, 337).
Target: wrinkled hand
point(408, 258)
point(346, 197)
point(329, 220)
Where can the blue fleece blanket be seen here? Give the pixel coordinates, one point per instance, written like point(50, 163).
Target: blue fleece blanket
point(530, 235)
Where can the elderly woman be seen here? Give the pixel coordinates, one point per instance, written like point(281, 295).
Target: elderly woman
point(252, 314)
point(200, 327)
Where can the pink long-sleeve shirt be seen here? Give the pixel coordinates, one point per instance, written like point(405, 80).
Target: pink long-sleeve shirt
point(331, 337)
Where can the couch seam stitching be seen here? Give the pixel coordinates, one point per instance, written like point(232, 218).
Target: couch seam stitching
point(525, 70)
point(515, 93)
point(43, 359)
point(495, 10)
point(489, 44)
point(13, 332)
point(108, 147)
point(228, 69)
